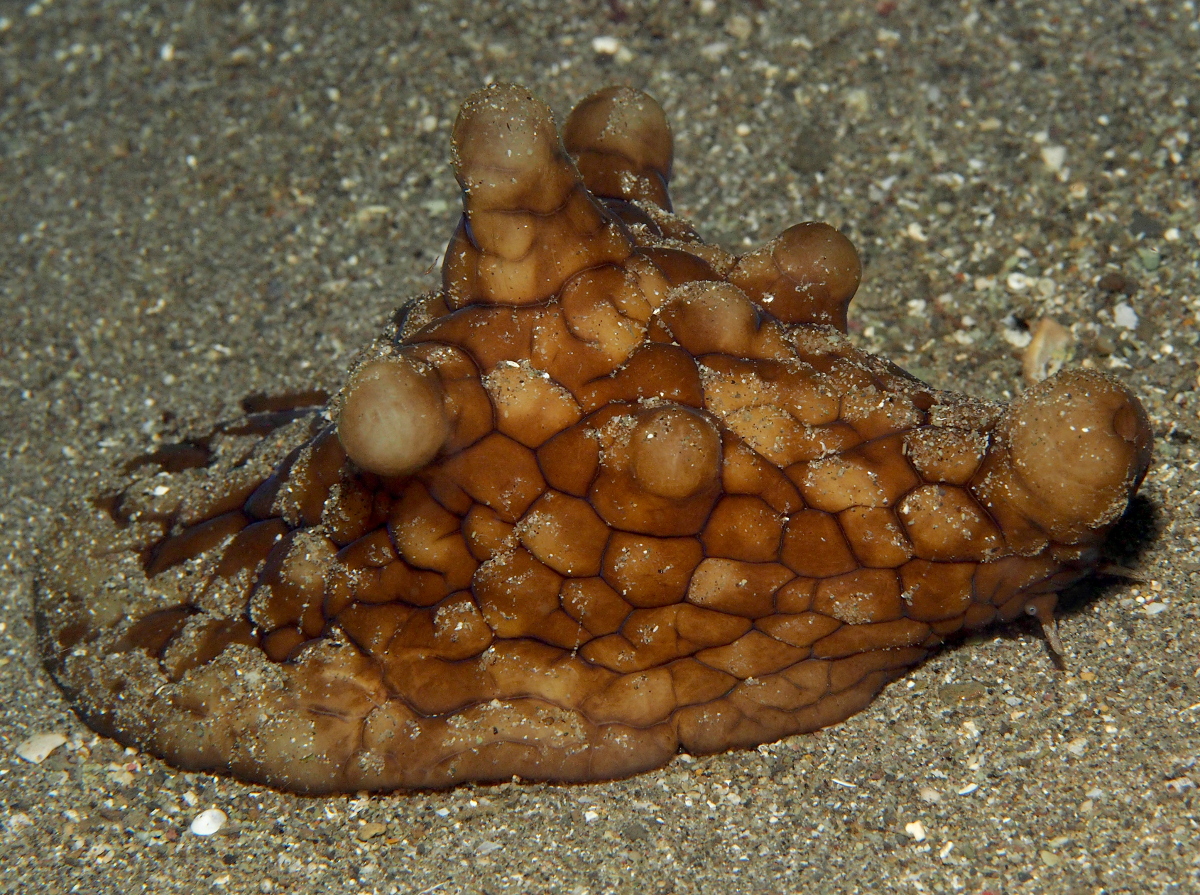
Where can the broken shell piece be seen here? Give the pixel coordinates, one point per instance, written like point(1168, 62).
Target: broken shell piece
point(1051, 346)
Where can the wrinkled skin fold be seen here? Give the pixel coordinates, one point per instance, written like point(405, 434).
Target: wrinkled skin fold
point(607, 494)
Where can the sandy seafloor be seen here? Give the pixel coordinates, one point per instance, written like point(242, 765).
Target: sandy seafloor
point(199, 201)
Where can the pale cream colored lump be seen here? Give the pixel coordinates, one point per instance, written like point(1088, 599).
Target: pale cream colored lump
point(609, 493)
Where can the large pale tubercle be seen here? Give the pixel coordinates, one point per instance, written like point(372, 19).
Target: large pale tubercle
point(607, 494)
point(392, 421)
point(1074, 448)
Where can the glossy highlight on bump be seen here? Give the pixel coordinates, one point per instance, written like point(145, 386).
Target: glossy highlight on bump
point(609, 493)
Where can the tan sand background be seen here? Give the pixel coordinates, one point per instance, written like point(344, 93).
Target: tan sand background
point(203, 200)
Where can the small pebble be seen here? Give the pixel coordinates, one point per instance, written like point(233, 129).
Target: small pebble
point(1181, 784)
point(1145, 225)
point(369, 831)
point(1125, 316)
point(634, 830)
point(606, 45)
point(1115, 282)
point(1016, 334)
point(916, 830)
point(1017, 281)
point(1054, 157)
point(740, 27)
point(120, 775)
point(968, 691)
point(208, 822)
point(18, 821)
point(1149, 258)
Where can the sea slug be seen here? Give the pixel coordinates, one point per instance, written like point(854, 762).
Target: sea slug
point(607, 494)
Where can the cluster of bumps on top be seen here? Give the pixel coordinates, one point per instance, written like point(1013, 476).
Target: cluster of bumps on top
point(609, 493)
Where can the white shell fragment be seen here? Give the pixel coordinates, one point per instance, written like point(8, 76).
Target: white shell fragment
point(208, 822)
point(38, 747)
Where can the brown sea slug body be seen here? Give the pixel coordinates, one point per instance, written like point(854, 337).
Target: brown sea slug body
point(609, 493)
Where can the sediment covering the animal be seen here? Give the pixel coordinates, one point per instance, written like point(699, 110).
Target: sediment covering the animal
point(609, 493)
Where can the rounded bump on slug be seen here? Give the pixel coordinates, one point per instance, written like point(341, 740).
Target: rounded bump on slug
point(392, 420)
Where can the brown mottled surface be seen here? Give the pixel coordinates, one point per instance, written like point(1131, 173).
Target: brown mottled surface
point(609, 494)
point(242, 216)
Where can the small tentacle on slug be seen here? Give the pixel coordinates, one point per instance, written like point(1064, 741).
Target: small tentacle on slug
point(1042, 608)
